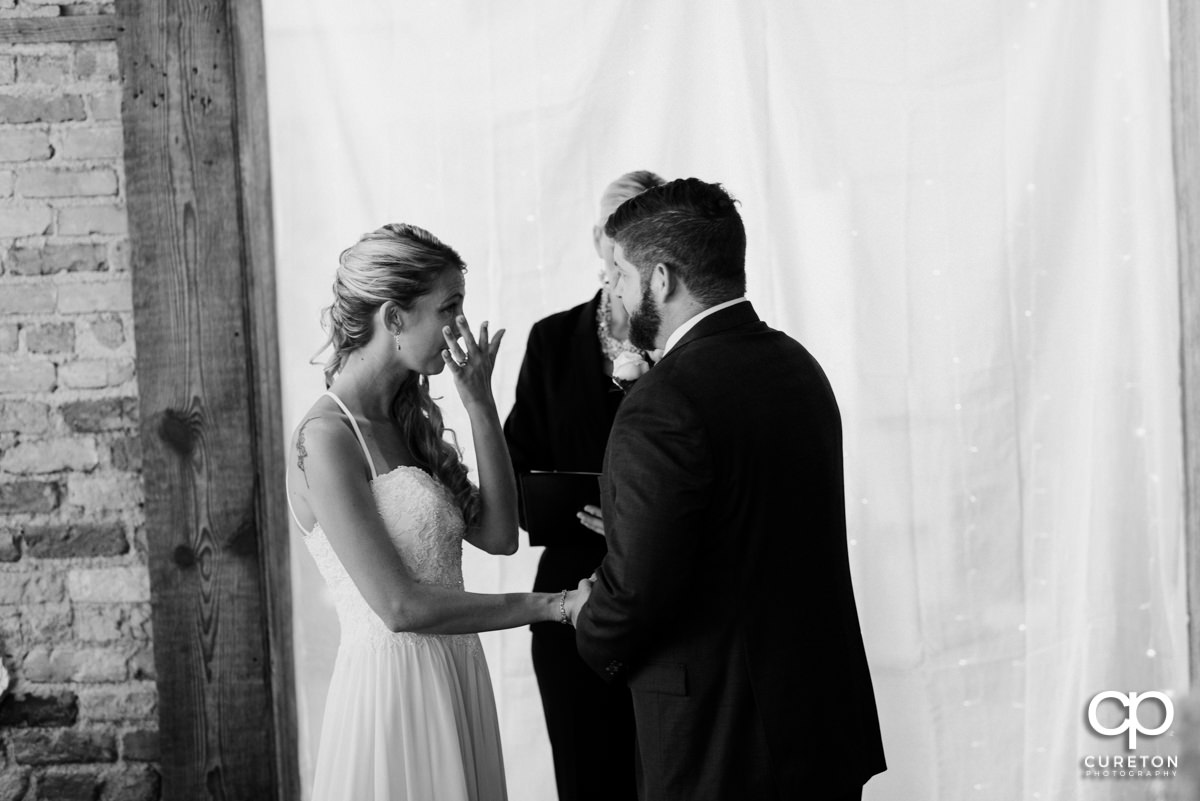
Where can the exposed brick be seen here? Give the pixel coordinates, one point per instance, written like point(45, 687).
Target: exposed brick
point(28, 497)
point(27, 296)
point(27, 376)
point(10, 630)
point(25, 221)
point(126, 454)
point(7, 183)
point(102, 414)
point(124, 702)
point(141, 664)
point(25, 144)
point(46, 622)
point(28, 417)
point(67, 541)
point(130, 584)
point(46, 108)
point(88, 9)
point(46, 182)
point(60, 709)
point(133, 783)
point(108, 622)
point(94, 219)
point(8, 64)
point(26, 588)
point(118, 256)
point(10, 551)
point(91, 143)
point(50, 338)
point(95, 373)
point(33, 8)
point(141, 746)
point(109, 331)
point(105, 106)
point(73, 663)
point(8, 338)
point(14, 784)
point(75, 786)
point(96, 62)
point(114, 295)
point(42, 68)
point(56, 258)
point(60, 746)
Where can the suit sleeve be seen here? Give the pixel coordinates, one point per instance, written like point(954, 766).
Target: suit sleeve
point(659, 477)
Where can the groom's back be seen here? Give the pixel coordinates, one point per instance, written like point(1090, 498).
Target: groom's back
point(772, 644)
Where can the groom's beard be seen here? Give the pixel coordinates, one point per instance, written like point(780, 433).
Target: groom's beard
point(644, 322)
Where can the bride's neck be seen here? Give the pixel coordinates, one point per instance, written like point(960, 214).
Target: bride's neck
point(368, 386)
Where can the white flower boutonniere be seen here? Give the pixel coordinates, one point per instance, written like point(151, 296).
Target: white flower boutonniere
point(628, 367)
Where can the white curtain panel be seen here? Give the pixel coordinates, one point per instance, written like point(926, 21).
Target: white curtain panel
point(963, 208)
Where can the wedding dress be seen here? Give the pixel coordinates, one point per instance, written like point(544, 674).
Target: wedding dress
point(408, 716)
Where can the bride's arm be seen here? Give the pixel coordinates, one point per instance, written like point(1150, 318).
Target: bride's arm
point(339, 494)
point(471, 366)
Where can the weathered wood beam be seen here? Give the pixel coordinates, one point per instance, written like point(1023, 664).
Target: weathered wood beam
point(198, 188)
point(1185, 114)
point(41, 30)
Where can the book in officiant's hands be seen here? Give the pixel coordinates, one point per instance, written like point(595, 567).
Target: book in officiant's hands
point(551, 501)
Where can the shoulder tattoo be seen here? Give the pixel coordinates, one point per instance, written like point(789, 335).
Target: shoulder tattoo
point(301, 451)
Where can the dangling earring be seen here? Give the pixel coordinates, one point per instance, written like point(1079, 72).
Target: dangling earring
point(396, 337)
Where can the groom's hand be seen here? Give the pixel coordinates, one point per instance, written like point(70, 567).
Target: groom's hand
point(577, 599)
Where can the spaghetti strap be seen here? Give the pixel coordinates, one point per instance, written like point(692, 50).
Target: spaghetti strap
point(287, 486)
point(357, 433)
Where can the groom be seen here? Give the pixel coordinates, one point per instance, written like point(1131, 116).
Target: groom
point(725, 600)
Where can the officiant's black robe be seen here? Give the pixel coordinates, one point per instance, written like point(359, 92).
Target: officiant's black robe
point(725, 600)
point(564, 409)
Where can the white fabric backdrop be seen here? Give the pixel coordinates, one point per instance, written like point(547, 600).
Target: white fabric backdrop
point(963, 208)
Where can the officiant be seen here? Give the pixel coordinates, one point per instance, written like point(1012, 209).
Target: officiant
point(565, 405)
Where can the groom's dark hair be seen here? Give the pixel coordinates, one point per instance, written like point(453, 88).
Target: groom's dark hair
point(691, 226)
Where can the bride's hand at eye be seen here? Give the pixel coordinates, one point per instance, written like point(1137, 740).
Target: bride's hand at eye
point(471, 363)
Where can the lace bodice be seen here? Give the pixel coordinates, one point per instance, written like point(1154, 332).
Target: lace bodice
point(426, 526)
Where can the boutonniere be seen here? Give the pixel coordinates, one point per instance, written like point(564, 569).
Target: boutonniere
point(629, 366)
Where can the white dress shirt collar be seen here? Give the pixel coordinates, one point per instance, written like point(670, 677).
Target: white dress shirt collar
point(678, 333)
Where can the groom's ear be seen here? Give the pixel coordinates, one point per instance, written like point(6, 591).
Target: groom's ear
point(663, 282)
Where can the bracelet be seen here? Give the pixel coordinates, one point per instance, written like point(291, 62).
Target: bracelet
point(562, 609)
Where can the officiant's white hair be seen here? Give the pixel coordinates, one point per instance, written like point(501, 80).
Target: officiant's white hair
point(628, 185)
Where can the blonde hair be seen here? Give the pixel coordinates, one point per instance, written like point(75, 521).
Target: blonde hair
point(399, 263)
point(628, 185)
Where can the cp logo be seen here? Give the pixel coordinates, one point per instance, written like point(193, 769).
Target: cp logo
point(1131, 722)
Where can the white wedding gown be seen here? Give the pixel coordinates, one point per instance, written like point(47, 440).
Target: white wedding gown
point(408, 716)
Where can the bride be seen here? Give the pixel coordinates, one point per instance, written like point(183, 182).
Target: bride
point(385, 504)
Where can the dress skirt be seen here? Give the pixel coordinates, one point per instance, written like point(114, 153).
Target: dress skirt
point(410, 718)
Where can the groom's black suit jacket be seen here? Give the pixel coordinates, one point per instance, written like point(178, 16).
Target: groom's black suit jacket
point(725, 598)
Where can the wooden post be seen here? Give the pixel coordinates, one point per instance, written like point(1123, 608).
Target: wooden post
point(1185, 121)
point(198, 188)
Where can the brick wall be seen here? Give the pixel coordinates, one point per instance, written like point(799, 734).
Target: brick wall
point(78, 719)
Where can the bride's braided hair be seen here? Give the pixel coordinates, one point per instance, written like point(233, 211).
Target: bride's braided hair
point(400, 263)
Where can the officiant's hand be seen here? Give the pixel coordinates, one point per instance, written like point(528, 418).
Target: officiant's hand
point(591, 518)
point(471, 362)
point(576, 599)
